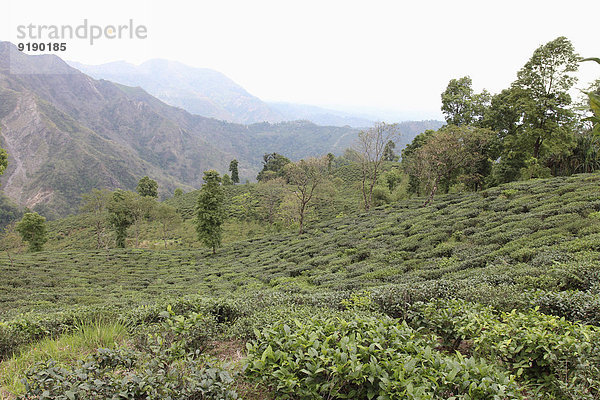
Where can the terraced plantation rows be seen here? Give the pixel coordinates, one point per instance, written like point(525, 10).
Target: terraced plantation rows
point(542, 234)
point(493, 294)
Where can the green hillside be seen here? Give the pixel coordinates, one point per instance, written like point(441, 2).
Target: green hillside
point(512, 264)
point(539, 234)
point(341, 197)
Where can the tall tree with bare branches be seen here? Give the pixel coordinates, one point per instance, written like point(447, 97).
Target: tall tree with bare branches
point(95, 204)
point(304, 178)
point(371, 148)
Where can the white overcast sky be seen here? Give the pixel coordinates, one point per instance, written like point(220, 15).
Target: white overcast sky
point(363, 55)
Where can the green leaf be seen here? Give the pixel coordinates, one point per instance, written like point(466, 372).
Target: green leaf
point(596, 59)
point(594, 103)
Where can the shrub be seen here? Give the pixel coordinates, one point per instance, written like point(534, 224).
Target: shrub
point(178, 334)
point(547, 353)
point(366, 358)
point(121, 374)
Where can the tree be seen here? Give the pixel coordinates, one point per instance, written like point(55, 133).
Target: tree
point(233, 168)
point(120, 215)
point(594, 103)
point(32, 229)
point(435, 162)
point(167, 217)
point(147, 187)
point(542, 89)
point(178, 192)
point(452, 154)
point(270, 194)
point(460, 104)
point(330, 160)
point(273, 165)
point(392, 178)
point(534, 117)
point(210, 211)
point(371, 144)
point(388, 151)
point(3, 160)
point(304, 177)
point(227, 180)
point(504, 117)
point(479, 148)
point(409, 150)
point(95, 204)
point(585, 157)
point(141, 209)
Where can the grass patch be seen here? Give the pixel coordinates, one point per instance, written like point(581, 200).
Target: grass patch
point(66, 350)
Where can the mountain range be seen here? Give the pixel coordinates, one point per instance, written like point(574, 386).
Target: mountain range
point(200, 91)
point(67, 133)
point(209, 93)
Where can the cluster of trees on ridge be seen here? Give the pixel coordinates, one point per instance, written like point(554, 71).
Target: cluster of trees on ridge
point(531, 129)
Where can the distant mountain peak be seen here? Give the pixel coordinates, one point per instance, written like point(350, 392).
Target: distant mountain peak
point(200, 91)
point(18, 63)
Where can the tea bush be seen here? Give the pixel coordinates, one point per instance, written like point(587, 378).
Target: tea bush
point(367, 358)
point(457, 268)
point(170, 365)
point(119, 375)
point(573, 305)
point(546, 353)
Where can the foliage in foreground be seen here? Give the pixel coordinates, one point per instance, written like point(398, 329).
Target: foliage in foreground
point(367, 358)
point(548, 354)
point(63, 349)
point(115, 375)
point(339, 345)
point(168, 364)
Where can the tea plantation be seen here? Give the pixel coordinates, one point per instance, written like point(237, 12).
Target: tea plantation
point(486, 295)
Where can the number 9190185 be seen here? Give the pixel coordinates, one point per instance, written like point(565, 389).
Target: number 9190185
point(42, 46)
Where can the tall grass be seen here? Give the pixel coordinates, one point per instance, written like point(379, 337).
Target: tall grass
point(66, 350)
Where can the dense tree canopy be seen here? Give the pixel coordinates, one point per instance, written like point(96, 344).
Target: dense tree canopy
point(536, 131)
point(449, 156)
point(542, 88)
point(461, 105)
point(32, 228)
point(233, 168)
point(534, 117)
point(273, 166)
point(147, 187)
point(120, 215)
point(210, 211)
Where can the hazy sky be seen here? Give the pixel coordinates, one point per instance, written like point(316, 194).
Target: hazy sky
point(362, 55)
